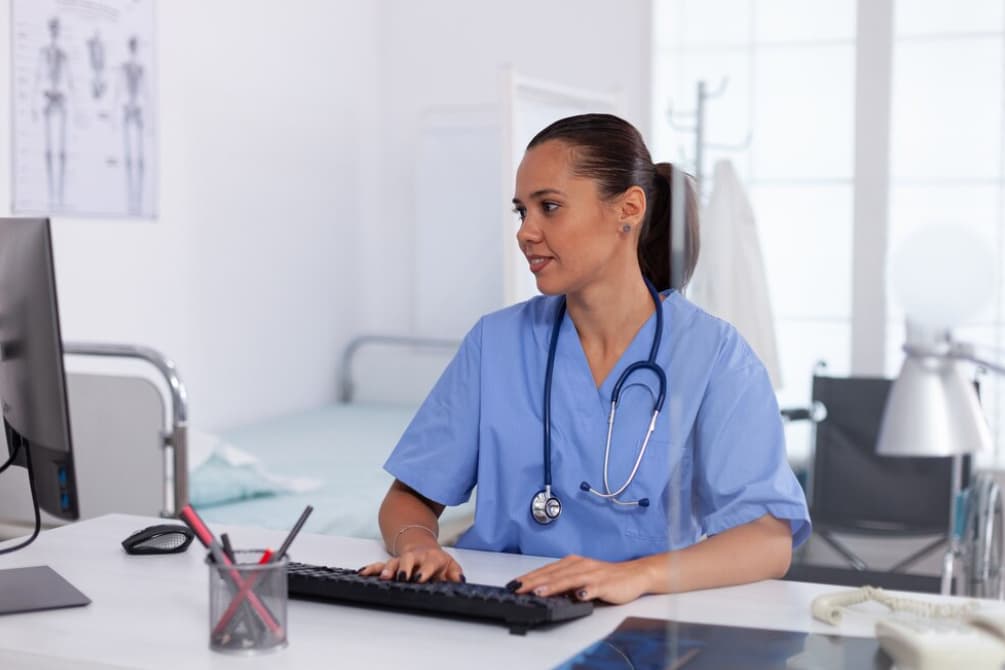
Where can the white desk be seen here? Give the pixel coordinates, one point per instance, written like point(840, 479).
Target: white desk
point(152, 611)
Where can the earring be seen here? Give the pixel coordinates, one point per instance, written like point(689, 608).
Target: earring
point(626, 228)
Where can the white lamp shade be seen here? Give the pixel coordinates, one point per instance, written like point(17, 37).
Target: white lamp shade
point(932, 410)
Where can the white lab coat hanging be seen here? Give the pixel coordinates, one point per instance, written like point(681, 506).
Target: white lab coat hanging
point(730, 279)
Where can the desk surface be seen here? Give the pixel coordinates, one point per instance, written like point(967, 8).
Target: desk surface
point(152, 611)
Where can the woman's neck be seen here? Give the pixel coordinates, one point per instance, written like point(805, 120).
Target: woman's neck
point(607, 317)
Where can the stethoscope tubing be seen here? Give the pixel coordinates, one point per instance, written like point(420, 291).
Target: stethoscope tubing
point(649, 364)
point(552, 347)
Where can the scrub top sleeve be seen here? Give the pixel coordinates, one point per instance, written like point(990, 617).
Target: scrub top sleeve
point(437, 455)
point(741, 472)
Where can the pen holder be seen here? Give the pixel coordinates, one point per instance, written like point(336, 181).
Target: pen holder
point(247, 604)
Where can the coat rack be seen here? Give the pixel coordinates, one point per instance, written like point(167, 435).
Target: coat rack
point(697, 116)
point(698, 127)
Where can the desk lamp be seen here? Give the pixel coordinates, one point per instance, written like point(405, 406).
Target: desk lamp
point(942, 275)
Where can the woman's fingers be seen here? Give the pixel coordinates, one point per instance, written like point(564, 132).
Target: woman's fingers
point(571, 582)
point(427, 565)
point(371, 569)
point(454, 573)
point(390, 569)
point(430, 567)
point(406, 562)
point(587, 579)
point(423, 566)
point(448, 570)
point(441, 567)
point(556, 581)
point(536, 578)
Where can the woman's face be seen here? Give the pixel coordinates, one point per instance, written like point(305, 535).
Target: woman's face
point(567, 232)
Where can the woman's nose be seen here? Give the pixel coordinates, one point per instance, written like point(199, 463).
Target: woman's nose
point(527, 233)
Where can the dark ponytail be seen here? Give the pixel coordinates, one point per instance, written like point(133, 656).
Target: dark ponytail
point(654, 240)
point(610, 151)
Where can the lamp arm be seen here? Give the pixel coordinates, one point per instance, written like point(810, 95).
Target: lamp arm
point(965, 352)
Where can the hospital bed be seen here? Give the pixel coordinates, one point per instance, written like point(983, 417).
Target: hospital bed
point(131, 435)
point(383, 379)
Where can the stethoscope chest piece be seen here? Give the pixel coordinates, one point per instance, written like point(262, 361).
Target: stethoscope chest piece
point(545, 507)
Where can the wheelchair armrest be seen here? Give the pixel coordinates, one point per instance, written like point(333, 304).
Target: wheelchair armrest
point(797, 414)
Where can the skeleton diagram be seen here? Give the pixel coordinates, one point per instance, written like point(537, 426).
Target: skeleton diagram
point(133, 86)
point(52, 77)
point(96, 52)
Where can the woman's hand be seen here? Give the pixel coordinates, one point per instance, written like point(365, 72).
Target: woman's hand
point(408, 522)
point(423, 563)
point(587, 579)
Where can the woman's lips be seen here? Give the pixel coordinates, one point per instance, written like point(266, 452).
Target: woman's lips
point(538, 263)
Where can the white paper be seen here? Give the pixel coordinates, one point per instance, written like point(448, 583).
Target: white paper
point(84, 108)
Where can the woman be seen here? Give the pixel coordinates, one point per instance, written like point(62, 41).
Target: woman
point(621, 503)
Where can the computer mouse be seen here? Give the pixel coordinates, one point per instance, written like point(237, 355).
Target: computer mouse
point(165, 538)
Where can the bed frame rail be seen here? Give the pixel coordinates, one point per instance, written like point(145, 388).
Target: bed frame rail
point(347, 384)
point(174, 437)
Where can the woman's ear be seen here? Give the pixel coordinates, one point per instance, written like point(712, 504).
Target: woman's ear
point(631, 207)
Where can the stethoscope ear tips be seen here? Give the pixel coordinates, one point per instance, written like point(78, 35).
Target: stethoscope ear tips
point(585, 486)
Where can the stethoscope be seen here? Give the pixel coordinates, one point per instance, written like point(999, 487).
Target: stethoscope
point(545, 507)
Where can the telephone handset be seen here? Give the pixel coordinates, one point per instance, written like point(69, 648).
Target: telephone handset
point(934, 635)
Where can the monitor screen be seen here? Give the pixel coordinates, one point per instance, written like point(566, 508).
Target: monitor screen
point(32, 382)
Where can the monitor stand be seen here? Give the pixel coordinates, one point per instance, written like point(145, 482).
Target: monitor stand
point(36, 588)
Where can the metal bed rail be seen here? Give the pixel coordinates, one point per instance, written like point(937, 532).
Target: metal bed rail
point(346, 384)
point(174, 437)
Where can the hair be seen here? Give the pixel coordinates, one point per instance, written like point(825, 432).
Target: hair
point(610, 151)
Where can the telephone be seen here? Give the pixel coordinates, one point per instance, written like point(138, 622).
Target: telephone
point(924, 635)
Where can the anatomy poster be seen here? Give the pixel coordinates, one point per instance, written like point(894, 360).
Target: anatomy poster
point(84, 104)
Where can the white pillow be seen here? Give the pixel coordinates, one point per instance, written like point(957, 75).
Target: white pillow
point(221, 473)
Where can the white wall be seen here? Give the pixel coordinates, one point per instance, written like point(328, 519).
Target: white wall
point(267, 123)
point(449, 52)
point(288, 137)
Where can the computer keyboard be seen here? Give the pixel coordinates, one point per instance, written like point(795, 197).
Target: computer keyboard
point(473, 601)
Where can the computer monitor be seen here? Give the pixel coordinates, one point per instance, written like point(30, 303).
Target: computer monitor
point(32, 381)
point(33, 395)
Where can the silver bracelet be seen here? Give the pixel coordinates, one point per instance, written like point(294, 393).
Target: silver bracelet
point(394, 545)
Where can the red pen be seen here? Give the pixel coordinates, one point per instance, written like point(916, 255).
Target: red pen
point(239, 597)
point(266, 557)
point(189, 516)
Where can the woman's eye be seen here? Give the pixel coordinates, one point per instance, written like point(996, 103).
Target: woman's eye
point(520, 212)
point(549, 207)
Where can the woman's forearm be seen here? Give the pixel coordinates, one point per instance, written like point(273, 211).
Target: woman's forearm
point(761, 549)
point(405, 509)
point(409, 526)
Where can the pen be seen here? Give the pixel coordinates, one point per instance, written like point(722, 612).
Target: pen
point(192, 520)
point(250, 582)
point(285, 546)
point(239, 597)
point(227, 548)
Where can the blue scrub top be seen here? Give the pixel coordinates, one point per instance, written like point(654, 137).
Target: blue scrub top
point(715, 461)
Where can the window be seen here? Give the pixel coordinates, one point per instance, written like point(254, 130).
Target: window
point(789, 69)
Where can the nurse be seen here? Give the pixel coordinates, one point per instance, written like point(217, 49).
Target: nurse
point(687, 488)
